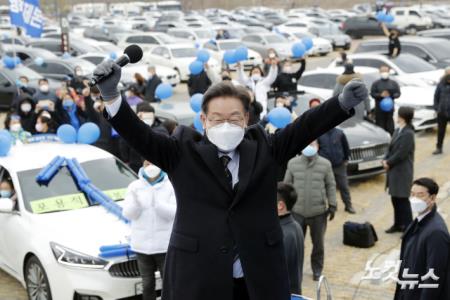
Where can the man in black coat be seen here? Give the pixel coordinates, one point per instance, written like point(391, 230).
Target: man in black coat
point(382, 88)
point(226, 241)
point(152, 83)
point(198, 83)
point(287, 79)
point(442, 108)
point(425, 250)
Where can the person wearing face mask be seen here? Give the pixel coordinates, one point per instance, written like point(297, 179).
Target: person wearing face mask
point(382, 88)
point(7, 191)
point(198, 84)
point(77, 81)
point(425, 247)
point(14, 126)
point(26, 112)
point(44, 92)
point(399, 165)
point(153, 81)
point(225, 75)
point(362, 110)
point(150, 205)
point(442, 108)
point(259, 85)
point(23, 90)
point(226, 225)
point(45, 124)
point(271, 55)
point(313, 179)
point(70, 113)
point(394, 46)
point(287, 79)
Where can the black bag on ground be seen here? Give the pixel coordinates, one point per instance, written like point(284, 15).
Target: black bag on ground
point(359, 235)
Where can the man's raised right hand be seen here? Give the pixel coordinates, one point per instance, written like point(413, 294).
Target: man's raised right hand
point(108, 85)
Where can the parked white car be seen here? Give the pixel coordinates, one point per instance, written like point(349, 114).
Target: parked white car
point(410, 69)
point(217, 49)
point(294, 26)
point(410, 19)
point(320, 47)
point(321, 82)
point(51, 235)
point(166, 74)
point(146, 40)
point(197, 35)
point(178, 57)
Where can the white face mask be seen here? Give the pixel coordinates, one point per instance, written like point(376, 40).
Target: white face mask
point(15, 127)
point(44, 88)
point(152, 171)
point(149, 121)
point(25, 107)
point(256, 77)
point(39, 127)
point(418, 206)
point(384, 75)
point(225, 136)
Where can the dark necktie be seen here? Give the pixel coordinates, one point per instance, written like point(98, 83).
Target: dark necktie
point(225, 160)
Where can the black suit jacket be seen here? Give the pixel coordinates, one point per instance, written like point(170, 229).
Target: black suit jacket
point(425, 246)
point(150, 88)
point(211, 219)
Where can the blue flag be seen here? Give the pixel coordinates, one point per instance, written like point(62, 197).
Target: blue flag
point(27, 14)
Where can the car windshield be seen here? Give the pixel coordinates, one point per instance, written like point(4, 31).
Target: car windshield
point(62, 193)
point(440, 50)
point(412, 64)
point(274, 39)
point(166, 39)
point(184, 52)
point(229, 45)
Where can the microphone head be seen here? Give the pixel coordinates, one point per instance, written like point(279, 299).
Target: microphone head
point(134, 52)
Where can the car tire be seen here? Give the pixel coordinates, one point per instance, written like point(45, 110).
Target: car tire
point(36, 280)
point(412, 30)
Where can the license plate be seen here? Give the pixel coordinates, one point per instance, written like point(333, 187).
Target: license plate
point(369, 165)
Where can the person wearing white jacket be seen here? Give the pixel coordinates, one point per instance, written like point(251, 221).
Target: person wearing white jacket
point(257, 83)
point(150, 205)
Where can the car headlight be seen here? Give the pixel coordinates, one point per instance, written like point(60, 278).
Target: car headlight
point(72, 258)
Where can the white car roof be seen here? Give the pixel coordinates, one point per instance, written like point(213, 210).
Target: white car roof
point(38, 155)
point(340, 70)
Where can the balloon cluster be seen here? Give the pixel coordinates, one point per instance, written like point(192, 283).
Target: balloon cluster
point(234, 56)
point(196, 67)
point(88, 133)
point(11, 62)
point(196, 105)
point(279, 117)
point(300, 48)
point(383, 17)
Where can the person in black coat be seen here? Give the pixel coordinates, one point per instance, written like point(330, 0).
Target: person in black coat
point(287, 79)
point(198, 83)
point(394, 46)
point(25, 109)
point(293, 238)
point(399, 165)
point(382, 88)
point(442, 108)
point(152, 83)
point(425, 250)
point(226, 241)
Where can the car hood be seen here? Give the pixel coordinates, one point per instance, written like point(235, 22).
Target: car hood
point(84, 230)
point(416, 96)
point(362, 133)
point(431, 77)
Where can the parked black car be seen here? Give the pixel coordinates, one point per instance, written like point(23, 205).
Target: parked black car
point(60, 69)
point(433, 50)
point(436, 33)
point(101, 33)
point(360, 26)
point(77, 47)
point(27, 53)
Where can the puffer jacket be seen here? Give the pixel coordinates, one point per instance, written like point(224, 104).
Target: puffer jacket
point(442, 98)
point(315, 185)
point(362, 109)
point(151, 209)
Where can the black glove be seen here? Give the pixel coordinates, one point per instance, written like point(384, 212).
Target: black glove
point(108, 86)
point(331, 212)
point(354, 92)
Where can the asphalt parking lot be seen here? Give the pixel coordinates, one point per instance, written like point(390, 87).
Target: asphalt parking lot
point(344, 266)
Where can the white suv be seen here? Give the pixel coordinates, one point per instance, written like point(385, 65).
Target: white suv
point(410, 19)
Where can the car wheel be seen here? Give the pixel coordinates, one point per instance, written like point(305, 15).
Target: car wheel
point(38, 287)
point(412, 30)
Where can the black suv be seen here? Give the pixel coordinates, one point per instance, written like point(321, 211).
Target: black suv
point(360, 26)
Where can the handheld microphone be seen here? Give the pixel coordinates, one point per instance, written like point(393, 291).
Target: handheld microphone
point(132, 54)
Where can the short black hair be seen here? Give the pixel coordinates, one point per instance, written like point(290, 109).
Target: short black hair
point(256, 68)
point(42, 80)
point(406, 113)
point(429, 184)
point(226, 89)
point(144, 107)
point(287, 194)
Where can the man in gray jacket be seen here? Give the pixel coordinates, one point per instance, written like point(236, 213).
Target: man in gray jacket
point(313, 179)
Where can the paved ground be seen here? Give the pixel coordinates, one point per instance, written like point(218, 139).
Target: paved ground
point(344, 266)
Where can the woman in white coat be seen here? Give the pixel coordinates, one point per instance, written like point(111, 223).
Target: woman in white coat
point(150, 204)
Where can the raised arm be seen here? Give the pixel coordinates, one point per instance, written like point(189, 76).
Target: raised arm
point(242, 77)
point(302, 68)
point(158, 148)
point(272, 76)
point(385, 29)
point(213, 76)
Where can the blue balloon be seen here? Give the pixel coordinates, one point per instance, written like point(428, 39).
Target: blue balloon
point(387, 104)
point(388, 19)
point(164, 91)
point(298, 50)
point(380, 16)
point(241, 53)
point(196, 102)
point(9, 62)
point(307, 42)
point(113, 55)
point(5, 142)
point(196, 67)
point(203, 55)
point(39, 61)
point(88, 133)
point(67, 134)
point(198, 123)
point(280, 117)
point(229, 57)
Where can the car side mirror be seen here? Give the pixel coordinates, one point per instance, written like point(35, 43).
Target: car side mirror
point(6, 205)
